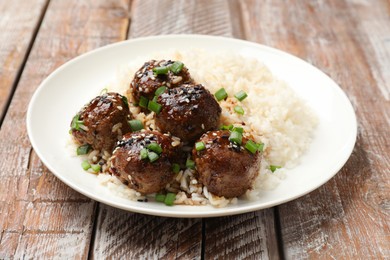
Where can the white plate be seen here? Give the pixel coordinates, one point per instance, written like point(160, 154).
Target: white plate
point(76, 82)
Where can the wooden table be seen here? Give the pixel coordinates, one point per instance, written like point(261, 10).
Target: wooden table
point(347, 218)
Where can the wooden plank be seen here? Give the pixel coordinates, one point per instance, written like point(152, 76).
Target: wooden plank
point(17, 34)
point(124, 235)
point(41, 216)
point(248, 236)
point(348, 217)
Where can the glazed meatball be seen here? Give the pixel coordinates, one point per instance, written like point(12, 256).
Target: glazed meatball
point(132, 163)
point(187, 112)
point(225, 168)
point(102, 122)
point(146, 81)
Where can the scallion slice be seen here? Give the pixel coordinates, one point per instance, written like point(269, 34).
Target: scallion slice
point(160, 197)
point(155, 147)
point(175, 168)
point(190, 164)
point(125, 101)
point(76, 122)
point(136, 125)
point(239, 110)
point(251, 146)
point(155, 98)
point(160, 90)
point(170, 199)
point(84, 149)
point(221, 94)
point(235, 137)
point(273, 168)
point(238, 129)
point(154, 106)
point(199, 146)
point(161, 70)
point(226, 127)
point(241, 95)
point(176, 67)
point(95, 168)
point(104, 91)
point(152, 156)
point(143, 102)
point(85, 164)
point(143, 154)
point(260, 147)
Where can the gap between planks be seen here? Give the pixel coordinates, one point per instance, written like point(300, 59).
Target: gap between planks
point(23, 64)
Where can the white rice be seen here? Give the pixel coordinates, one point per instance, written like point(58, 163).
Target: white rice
point(274, 115)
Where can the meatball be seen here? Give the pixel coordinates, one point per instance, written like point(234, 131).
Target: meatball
point(146, 81)
point(102, 122)
point(225, 168)
point(187, 112)
point(132, 164)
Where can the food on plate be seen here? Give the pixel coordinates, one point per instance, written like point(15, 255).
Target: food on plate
point(143, 160)
point(226, 162)
point(226, 131)
point(102, 122)
point(155, 74)
point(187, 112)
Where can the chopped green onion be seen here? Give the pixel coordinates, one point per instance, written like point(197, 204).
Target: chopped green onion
point(85, 164)
point(143, 102)
point(221, 94)
point(176, 67)
point(273, 168)
point(161, 70)
point(95, 167)
point(175, 168)
point(170, 199)
point(104, 91)
point(199, 146)
point(235, 137)
point(155, 98)
point(226, 127)
point(260, 147)
point(152, 156)
point(160, 197)
point(84, 149)
point(238, 129)
point(190, 164)
point(160, 90)
point(76, 122)
point(251, 146)
point(154, 106)
point(239, 110)
point(136, 125)
point(143, 154)
point(125, 101)
point(155, 147)
point(241, 95)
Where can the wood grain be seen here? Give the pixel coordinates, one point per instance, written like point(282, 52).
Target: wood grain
point(248, 236)
point(17, 34)
point(347, 218)
point(181, 16)
point(123, 235)
point(41, 216)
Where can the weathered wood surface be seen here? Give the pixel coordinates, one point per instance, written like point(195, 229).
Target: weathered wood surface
point(17, 34)
point(40, 216)
point(349, 217)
